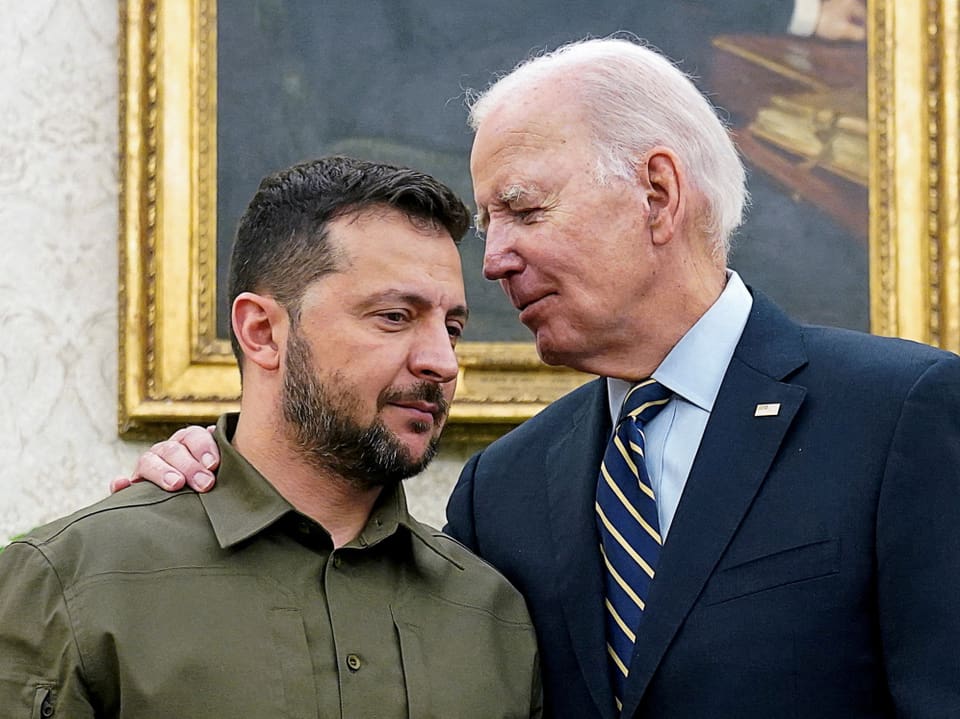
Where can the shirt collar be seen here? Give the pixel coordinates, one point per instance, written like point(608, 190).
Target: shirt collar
point(243, 503)
point(388, 515)
point(695, 367)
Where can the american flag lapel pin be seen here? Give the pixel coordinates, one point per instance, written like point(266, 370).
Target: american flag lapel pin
point(767, 410)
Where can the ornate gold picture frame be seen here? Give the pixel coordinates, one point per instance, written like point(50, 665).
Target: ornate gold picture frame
point(174, 369)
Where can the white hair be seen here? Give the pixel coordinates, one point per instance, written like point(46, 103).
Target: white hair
point(637, 99)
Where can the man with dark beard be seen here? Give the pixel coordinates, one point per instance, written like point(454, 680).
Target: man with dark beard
point(299, 586)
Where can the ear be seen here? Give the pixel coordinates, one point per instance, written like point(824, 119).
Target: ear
point(661, 178)
point(260, 325)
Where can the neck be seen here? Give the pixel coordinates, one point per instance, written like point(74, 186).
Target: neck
point(680, 308)
point(336, 504)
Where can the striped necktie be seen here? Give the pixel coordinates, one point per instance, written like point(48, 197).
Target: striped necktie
point(629, 528)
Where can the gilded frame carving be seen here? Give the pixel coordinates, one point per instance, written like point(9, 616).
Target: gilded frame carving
point(173, 368)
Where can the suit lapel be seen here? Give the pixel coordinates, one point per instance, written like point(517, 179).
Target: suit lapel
point(735, 454)
point(572, 465)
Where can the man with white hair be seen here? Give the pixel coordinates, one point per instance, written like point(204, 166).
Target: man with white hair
point(742, 517)
point(806, 480)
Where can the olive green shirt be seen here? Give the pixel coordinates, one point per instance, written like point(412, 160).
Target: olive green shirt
point(232, 604)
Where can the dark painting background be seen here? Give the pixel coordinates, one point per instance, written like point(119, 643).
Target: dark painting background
point(385, 80)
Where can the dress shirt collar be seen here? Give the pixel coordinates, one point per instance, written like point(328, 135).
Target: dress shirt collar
point(243, 503)
point(695, 367)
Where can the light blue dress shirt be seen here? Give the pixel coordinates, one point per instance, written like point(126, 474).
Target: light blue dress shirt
point(694, 370)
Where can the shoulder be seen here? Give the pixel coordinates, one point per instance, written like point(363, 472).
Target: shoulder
point(118, 532)
point(584, 405)
point(869, 359)
point(130, 507)
point(776, 345)
point(894, 349)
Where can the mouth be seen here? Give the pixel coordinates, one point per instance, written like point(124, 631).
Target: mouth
point(423, 405)
point(421, 411)
point(526, 305)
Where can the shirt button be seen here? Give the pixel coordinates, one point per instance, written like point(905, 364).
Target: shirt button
point(336, 562)
point(353, 662)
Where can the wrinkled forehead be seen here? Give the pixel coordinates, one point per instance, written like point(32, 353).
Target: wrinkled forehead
point(542, 127)
point(514, 155)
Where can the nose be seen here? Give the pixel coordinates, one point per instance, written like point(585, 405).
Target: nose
point(434, 359)
point(500, 257)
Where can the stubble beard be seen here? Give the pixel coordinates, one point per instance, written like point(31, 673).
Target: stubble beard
point(321, 424)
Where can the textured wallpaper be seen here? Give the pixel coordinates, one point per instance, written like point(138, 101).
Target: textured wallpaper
point(58, 289)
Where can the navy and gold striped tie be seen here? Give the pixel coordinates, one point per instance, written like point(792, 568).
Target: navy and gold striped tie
point(629, 528)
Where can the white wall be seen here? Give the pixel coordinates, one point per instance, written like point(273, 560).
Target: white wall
point(58, 248)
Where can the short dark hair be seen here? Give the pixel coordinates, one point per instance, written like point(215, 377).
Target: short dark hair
point(281, 244)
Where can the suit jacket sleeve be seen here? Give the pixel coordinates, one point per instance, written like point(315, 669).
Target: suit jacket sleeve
point(918, 548)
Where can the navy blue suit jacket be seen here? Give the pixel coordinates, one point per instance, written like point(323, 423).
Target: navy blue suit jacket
point(813, 565)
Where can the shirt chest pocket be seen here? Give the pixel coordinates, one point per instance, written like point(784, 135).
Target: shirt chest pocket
point(195, 643)
point(464, 662)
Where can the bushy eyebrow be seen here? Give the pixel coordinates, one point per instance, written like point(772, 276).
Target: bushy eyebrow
point(512, 193)
point(509, 194)
point(460, 312)
point(457, 312)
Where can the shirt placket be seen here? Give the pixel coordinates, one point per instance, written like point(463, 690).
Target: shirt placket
point(358, 588)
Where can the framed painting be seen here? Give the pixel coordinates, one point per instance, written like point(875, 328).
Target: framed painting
point(213, 98)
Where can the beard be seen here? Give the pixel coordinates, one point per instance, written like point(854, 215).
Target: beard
point(321, 422)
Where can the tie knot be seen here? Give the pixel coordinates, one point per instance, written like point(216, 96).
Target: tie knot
point(644, 400)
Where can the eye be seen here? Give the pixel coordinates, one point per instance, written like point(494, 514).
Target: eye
point(528, 215)
point(394, 316)
point(455, 331)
